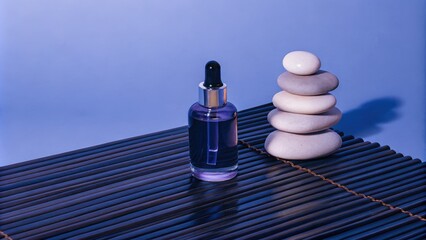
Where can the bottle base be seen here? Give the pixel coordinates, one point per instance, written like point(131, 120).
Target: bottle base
point(214, 175)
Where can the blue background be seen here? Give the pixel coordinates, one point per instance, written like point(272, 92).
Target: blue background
point(79, 73)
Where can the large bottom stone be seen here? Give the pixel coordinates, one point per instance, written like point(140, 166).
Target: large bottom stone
point(302, 146)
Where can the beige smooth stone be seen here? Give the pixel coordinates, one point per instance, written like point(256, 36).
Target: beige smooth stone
point(320, 83)
point(302, 146)
point(301, 62)
point(288, 102)
point(303, 123)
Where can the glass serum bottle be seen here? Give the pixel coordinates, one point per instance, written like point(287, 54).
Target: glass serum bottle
point(212, 126)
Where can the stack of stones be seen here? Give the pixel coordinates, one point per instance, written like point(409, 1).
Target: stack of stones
point(304, 110)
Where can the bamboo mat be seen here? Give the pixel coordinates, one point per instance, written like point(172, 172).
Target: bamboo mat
point(141, 188)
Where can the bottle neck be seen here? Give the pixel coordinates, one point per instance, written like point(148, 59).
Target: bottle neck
point(211, 97)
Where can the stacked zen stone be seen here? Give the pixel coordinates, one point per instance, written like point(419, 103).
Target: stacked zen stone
point(304, 110)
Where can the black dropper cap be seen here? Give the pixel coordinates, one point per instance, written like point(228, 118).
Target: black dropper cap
point(212, 79)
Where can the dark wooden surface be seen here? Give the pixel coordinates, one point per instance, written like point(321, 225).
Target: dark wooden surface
point(141, 188)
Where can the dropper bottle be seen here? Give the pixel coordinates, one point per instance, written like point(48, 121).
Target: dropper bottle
point(212, 125)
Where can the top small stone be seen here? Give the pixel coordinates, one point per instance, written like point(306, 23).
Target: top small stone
point(301, 63)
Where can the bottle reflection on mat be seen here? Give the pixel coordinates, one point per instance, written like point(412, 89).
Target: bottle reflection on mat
point(213, 203)
point(212, 123)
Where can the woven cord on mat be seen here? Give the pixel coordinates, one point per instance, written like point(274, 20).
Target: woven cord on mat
point(313, 173)
point(5, 236)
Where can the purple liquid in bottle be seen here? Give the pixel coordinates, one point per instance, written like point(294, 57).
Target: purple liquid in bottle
point(213, 137)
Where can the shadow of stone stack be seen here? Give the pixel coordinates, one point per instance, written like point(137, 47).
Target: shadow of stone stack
point(305, 110)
